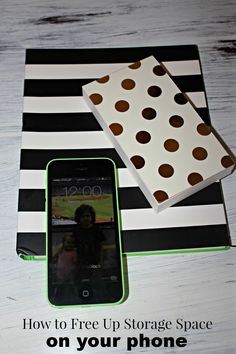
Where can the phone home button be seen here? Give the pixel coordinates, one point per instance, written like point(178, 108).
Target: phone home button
point(85, 293)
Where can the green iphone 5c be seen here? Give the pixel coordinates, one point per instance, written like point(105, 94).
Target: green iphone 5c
point(84, 256)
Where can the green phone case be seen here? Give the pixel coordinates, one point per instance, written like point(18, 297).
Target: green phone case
point(124, 294)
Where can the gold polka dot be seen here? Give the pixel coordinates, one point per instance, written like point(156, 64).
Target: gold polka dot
point(194, 178)
point(166, 170)
point(122, 106)
point(128, 84)
point(176, 121)
point(104, 79)
point(159, 70)
point(180, 98)
point(160, 196)
point(203, 129)
point(135, 65)
point(96, 98)
point(227, 161)
point(143, 137)
point(154, 91)
point(199, 153)
point(149, 113)
point(171, 145)
point(138, 161)
point(116, 128)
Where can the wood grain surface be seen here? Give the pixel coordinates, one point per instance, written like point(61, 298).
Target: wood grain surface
point(198, 286)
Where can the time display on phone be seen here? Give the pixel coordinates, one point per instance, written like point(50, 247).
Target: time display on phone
point(85, 190)
point(69, 193)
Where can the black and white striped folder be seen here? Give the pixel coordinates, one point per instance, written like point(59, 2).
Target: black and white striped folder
point(58, 123)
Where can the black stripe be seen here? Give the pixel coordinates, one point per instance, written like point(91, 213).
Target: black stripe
point(189, 83)
point(129, 198)
point(133, 198)
point(29, 243)
point(110, 55)
point(31, 200)
point(204, 114)
point(73, 87)
point(175, 238)
point(55, 88)
point(209, 195)
point(145, 240)
point(38, 159)
point(60, 122)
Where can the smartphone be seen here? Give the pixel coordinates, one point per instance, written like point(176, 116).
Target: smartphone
point(84, 256)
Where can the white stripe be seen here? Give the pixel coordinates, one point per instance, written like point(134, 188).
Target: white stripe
point(125, 178)
point(70, 71)
point(36, 179)
point(65, 140)
point(32, 179)
point(197, 98)
point(173, 217)
point(143, 218)
point(78, 104)
point(93, 71)
point(55, 104)
point(32, 221)
point(185, 67)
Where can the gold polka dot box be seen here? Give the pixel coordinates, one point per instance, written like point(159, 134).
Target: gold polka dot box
point(57, 122)
point(171, 152)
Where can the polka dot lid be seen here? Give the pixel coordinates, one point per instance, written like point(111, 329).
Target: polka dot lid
point(157, 132)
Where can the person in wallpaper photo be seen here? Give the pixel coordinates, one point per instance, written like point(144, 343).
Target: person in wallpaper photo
point(88, 237)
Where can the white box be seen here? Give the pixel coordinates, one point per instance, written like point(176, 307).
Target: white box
point(154, 127)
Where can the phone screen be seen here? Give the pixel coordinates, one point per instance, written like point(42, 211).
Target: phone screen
point(84, 256)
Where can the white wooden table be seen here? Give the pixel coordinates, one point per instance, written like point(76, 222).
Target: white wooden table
point(194, 287)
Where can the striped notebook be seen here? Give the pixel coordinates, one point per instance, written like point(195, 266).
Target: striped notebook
point(58, 123)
